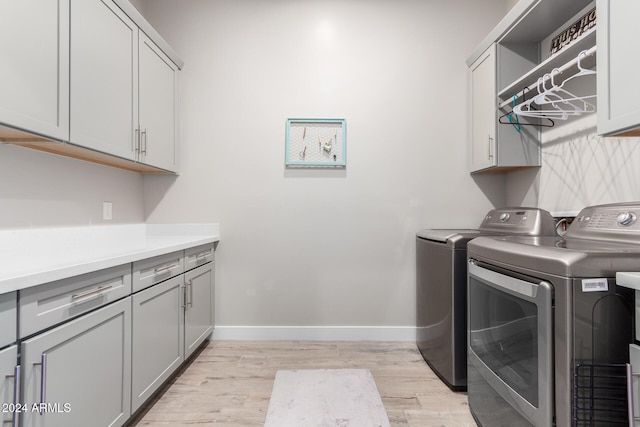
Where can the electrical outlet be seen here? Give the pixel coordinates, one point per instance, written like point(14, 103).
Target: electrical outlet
point(107, 211)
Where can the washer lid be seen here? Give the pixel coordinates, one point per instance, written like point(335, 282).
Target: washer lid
point(445, 235)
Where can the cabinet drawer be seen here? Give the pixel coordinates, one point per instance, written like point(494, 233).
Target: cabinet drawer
point(158, 269)
point(49, 304)
point(194, 257)
point(8, 318)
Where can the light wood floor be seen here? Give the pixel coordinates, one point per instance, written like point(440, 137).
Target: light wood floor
point(229, 383)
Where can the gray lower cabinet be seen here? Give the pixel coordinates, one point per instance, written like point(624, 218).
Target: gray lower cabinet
point(9, 370)
point(634, 360)
point(79, 373)
point(9, 388)
point(158, 325)
point(199, 307)
point(8, 319)
point(91, 351)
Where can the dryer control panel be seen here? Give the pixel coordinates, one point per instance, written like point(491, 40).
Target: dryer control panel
point(616, 222)
point(530, 221)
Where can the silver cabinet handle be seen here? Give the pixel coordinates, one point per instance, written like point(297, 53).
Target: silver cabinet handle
point(144, 133)
point(490, 147)
point(202, 255)
point(184, 298)
point(16, 395)
point(165, 268)
point(43, 380)
point(91, 292)
point(136, 141)
point(190, 286)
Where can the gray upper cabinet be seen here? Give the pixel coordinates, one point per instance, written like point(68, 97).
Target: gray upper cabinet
point(104, 78)
point(94, 82)
point(82, 369)
point(617, 79)
point(504, 69)
point(158, 80)
point(123, 87)
point(34, 76)
point(496, 146)
point(483, 111)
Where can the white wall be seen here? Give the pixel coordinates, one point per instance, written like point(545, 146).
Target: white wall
point(44, 190)
point(579, 168)
point(322, 247)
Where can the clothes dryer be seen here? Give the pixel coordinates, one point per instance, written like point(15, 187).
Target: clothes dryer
point(549, 329)
point(441, 286)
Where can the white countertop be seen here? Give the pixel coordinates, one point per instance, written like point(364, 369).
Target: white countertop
point(30, 257)
point(629, 280)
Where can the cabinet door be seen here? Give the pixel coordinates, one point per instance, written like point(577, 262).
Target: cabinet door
point(8, 384)
point(81, 370)
point(104, 76)
point(617, 63)
point(158, 340)
point(483, 111)
point(158, 130)
point(634, 360)
point(8, 318)
point(200, 304)
point(34, 77)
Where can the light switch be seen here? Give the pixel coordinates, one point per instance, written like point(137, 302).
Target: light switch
point(107, 210)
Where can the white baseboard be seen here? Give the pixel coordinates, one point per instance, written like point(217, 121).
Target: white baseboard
point(315, 333)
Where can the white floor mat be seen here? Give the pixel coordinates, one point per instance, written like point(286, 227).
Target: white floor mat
point(326, 397)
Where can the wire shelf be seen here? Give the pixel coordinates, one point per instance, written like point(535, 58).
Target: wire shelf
point(600, 395)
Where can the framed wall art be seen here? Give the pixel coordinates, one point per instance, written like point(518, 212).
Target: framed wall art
point(316, 143)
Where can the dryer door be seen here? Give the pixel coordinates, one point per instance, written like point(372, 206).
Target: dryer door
point(510, 350)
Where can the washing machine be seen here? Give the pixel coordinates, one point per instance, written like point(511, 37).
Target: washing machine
point(441, 286)
point(549, 328)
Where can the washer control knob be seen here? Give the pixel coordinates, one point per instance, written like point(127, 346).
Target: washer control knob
point(504, 217)
point(626, 218)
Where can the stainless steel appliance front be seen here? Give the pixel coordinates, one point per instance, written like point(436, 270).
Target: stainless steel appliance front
point(510, 346)
point(591, 321)
point(441, 286)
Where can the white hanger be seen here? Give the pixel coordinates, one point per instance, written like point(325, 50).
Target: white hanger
point(559, 103)
point(557, 92)
point(552, 111)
